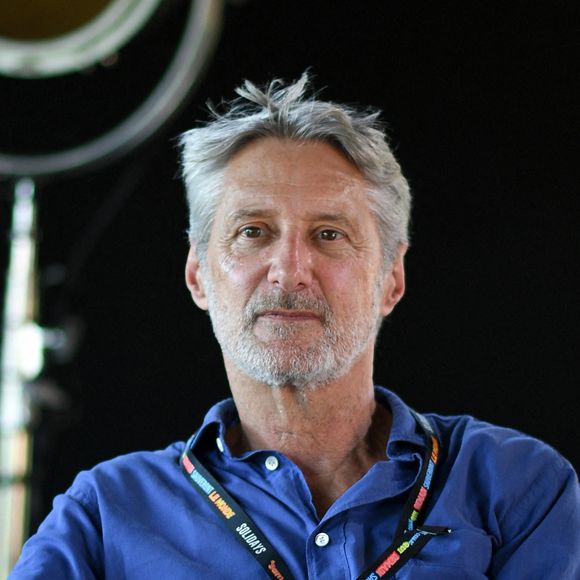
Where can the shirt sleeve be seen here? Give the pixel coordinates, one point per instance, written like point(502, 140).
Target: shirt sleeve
point(68, 544)
point(541, 523)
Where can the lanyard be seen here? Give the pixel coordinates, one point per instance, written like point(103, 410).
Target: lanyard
point(409, 539)
point(239, 523)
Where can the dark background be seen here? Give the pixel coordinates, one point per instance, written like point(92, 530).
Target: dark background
point(481, 100)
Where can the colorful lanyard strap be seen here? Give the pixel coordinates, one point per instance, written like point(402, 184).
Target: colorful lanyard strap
point(239, 523)
point(410, 537)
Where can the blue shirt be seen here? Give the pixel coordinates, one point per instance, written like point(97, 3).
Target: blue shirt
point(512, 502)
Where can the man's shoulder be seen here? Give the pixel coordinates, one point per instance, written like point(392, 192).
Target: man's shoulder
point(467, 439)
point(496, 451)
point(136, 470)
point(471, 431)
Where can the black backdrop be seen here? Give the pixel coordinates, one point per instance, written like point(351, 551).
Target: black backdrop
point(482, 104)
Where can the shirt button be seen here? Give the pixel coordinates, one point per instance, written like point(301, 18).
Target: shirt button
point(321, 540)
point(219, 444)
point(272, 463)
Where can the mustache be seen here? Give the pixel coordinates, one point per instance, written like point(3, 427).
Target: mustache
point(282, 300)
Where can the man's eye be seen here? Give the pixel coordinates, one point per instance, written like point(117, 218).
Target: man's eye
point(251, 232)
point(330, 235)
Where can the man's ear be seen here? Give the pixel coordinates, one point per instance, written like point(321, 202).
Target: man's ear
point(394, 283)
point(194, 280)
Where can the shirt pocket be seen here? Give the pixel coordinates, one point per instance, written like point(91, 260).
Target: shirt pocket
point(464, 554)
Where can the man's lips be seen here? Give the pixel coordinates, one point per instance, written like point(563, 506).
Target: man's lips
point(289, 315)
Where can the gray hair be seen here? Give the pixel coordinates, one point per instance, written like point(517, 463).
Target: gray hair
point(286, 112)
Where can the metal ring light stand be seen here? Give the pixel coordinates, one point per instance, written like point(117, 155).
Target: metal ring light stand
point(198, 39)
point(23, 342)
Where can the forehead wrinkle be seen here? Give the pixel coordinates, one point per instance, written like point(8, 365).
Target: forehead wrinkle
point(256, 198)
point(339, 182)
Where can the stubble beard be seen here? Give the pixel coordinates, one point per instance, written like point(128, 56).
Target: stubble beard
point(286, 358)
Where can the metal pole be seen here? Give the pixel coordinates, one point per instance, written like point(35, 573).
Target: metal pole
point(21, 360)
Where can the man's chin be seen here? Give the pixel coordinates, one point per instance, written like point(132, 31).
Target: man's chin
point(297, 371)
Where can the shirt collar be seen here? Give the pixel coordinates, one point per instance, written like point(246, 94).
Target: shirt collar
point(405, 434)
point(214, 426)
point(404, 438)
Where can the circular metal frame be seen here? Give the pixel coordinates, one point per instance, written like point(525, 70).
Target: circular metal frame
point(77, 50)
point(199, 37)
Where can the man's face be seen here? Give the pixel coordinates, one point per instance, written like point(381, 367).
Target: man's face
point(294, 280)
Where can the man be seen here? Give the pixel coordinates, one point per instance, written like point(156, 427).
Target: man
point(298, 230)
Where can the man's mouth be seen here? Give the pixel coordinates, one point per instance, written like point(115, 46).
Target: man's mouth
point(289, 315)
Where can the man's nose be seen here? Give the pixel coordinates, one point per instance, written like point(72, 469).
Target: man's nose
point(291, 264)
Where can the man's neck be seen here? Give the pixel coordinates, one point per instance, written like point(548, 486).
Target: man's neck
point(334, 433)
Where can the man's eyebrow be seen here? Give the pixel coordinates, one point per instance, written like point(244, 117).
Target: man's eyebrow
point(329, 217)
point(333, 218)
point(247, 213)
point(241, 215)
